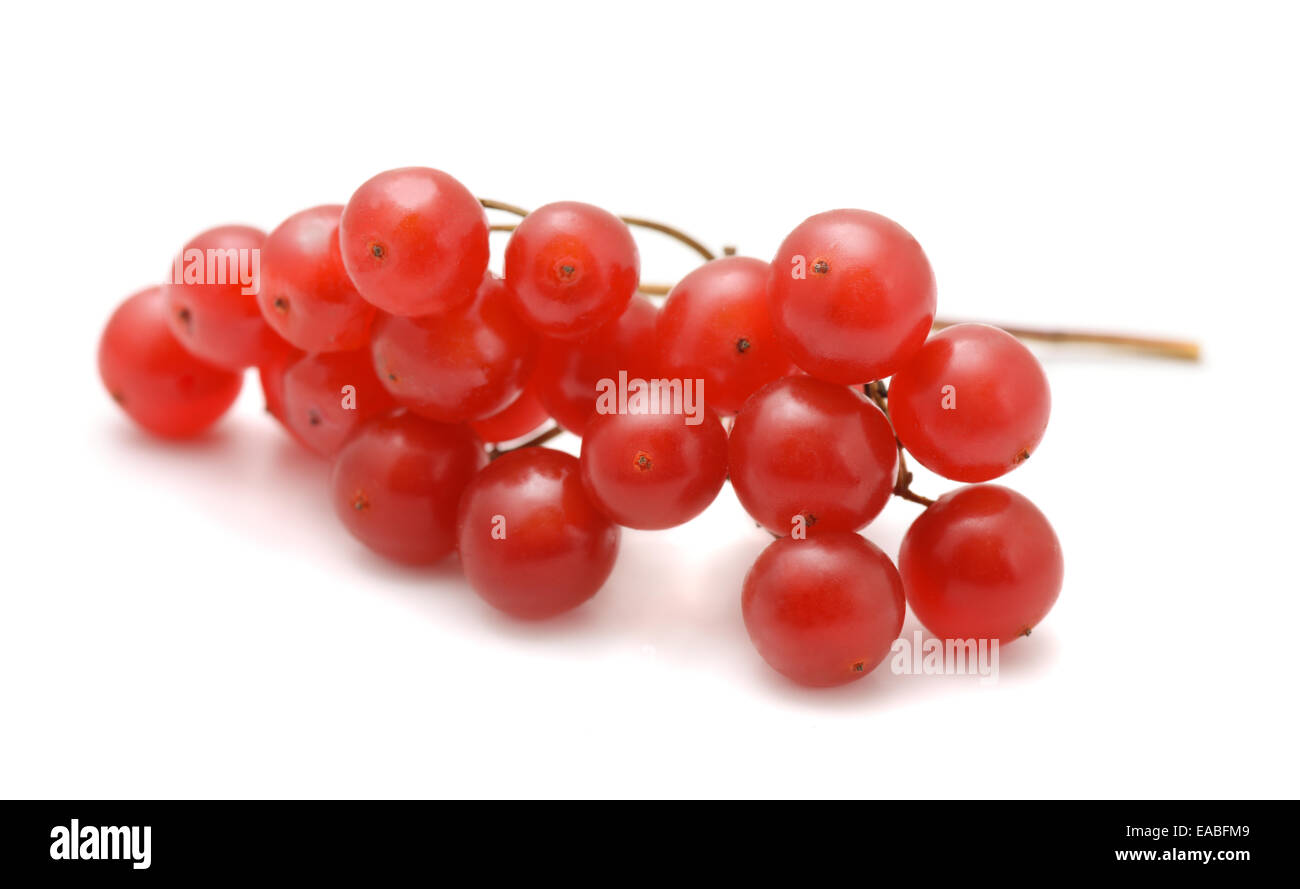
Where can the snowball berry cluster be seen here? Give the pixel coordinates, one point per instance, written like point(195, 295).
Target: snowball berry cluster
point(384, 344)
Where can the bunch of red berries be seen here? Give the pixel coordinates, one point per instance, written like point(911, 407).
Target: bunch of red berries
point(384, 343)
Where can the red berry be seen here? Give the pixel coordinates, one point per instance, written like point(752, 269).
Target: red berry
point(531, 542)
point(808, 448)
point(517, 419)
point(653, 469)
point(414, 241)
point(397, 483)
point(159, 384)
point(715, 326)
point(271, 373)
point(567, 373)
point(465, 364)
point(212, 298)
point(981, 563)
point(571, 267)
point(852, 295)
point(271, 376)
point(972, 404)
point(306, 294)
point(329, 396)
point(823, 611)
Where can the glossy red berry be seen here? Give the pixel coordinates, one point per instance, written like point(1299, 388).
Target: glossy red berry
point(465, 364)
point(306, 295)
point(653, 469)
point(271, 373)
point(823, 611)
point(329, 396)
point(567, 373)
point(852, 295)
point(571, 267)
point(809, 454)
point(972, 404)
point(396, 485)
point(531, 542)
point(716, 327)
point(523, 415)
point(160, 385)
point(981, 563)
point(414, 241)
point(212, 298)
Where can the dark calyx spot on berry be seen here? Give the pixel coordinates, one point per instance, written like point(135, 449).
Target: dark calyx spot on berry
point(642, 461)
point(281, 305)
point(359, 501)
point(1021, 457)
point(859, 666)
point(377, 250)
point(313, 418)
point(186, 317)
point(809, 518)
point(1026, 631)
point(821, 267)
point(742, 345)
point(567, 270)
point(392, 376)
point(118, 396)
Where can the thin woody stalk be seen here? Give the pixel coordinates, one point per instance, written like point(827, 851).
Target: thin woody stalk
point(1160, 347)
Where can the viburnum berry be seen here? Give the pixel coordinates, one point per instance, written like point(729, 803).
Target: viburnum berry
point(329, 396)
point(397, 484)
point(271, 373)
point(972, 404)
point(523, 415)
point(823, 611)
point(852, 295)
point(306, 294)
point(212, 298)
point(652, 468)
point(414, 241)
point(812, 456)
point(571, 267)
point(567, 372)
point(981, 563)
point(715, 326)
point(531, 542)
point(151, 376)
point(466, 364)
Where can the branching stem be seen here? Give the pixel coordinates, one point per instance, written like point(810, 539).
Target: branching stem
point(1180, 350)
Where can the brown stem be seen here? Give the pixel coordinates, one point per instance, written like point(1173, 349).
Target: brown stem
point(671, 232)
point(637, 221)
point(503, 206)
point(1181, 350)
point(536, 441)
point(908, 494)
point(879, 395)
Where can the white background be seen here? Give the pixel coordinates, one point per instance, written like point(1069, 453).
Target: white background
point(192, 621)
